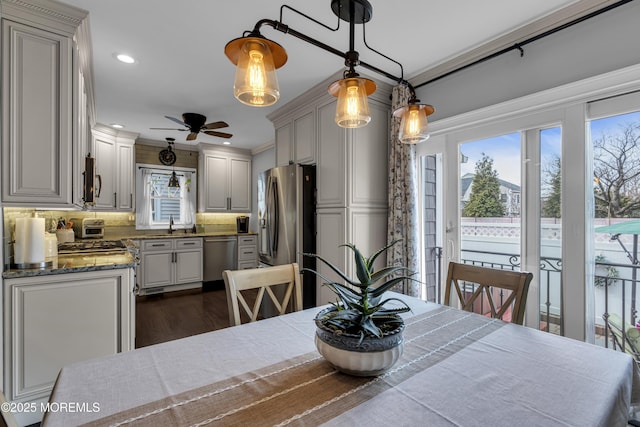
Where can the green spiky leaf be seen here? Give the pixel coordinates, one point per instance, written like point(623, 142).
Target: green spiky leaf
point(361, 309)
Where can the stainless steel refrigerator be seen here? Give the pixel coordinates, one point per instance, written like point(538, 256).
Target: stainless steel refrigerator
point(287, 221)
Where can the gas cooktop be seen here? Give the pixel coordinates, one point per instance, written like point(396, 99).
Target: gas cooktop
point(92, 246)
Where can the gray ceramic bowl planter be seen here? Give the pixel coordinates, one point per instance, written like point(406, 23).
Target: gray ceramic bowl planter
point(360, 334)
point(349, 354)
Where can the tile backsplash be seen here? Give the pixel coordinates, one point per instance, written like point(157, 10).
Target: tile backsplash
point(116, 223)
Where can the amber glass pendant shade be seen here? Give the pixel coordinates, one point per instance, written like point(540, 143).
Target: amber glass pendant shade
point(352, 110)
point(256, 83)
point(414, 124)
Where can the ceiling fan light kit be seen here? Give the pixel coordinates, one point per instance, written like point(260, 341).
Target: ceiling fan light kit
point(256, 59)
point(195, 123)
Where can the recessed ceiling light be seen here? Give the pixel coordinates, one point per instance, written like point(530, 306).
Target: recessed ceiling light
point(116, 125)
point(125, 58)
point(226, 143)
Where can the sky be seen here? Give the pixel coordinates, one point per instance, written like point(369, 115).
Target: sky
point(505, 149)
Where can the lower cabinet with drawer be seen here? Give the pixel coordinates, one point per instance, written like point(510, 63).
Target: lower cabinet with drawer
point(170, 265)
point(247, 251)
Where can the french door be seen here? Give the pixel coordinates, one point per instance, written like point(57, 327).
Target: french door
point(524, 160)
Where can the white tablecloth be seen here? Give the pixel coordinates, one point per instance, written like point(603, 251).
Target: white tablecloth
point(512, 376)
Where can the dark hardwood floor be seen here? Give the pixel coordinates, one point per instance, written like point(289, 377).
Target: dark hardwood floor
point(173, 315)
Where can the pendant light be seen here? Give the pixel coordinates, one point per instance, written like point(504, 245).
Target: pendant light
point(413, 123)
point(256, 60)
point(173, 181)
point(352, 109)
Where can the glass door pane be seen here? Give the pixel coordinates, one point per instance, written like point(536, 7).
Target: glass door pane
point(616, 191)
point(550, 273)
point(490, 202)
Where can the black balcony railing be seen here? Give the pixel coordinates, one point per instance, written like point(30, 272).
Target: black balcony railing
point(615, 289)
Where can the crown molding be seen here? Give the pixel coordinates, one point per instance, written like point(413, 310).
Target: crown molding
point(45, 13)
point(118, 133)
point(264, 147)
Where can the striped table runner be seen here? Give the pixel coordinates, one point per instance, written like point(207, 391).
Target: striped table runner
point(306, 389)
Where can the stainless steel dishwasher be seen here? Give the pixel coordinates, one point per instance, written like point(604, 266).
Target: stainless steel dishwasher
point(220, 253)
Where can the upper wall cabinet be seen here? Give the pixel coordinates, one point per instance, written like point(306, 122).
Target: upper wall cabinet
point(115, 169)
point(296, 137)
point(39, 136)
point(225, 181)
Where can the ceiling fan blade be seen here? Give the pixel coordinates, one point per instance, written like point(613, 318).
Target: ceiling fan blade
point(219, 134)
point(192, 136)
point(215, 125)
point(180, 122)
point(167, 129)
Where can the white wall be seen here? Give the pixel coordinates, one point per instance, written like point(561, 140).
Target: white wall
point(605, 43)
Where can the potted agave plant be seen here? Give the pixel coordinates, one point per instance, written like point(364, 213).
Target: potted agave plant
point(358, 334)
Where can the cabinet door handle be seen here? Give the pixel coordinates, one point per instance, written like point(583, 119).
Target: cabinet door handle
point(228, 203)
point(131, 200)
point(157, 245)
point(188, 243)
point(115, 200)
point(99, 190)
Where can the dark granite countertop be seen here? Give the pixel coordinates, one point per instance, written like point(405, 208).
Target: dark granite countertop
point(74, 263)
point(181, 234)
point(79, 262)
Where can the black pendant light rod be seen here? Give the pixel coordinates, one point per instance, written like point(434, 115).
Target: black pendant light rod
point(359, 11)
point(277, 25)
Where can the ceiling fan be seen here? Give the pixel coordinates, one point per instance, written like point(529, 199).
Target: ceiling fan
point(195, 123)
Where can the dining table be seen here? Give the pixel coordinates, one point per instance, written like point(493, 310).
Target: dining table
point(457, 369)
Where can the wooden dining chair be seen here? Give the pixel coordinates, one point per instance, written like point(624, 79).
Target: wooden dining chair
point(491, 292)
point(281, 283)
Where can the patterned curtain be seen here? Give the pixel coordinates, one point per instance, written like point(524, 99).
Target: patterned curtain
point(403, 196)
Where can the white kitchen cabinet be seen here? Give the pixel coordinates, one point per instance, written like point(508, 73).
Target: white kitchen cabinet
point(82, 135)
point(125, 175)
point(170, 264)
point(84, 114)
point(247, 251)
point(54, 320)
point(39, 127)
point(351, 173)
point(115, 168)
point(352, 163)
point(225, 181)
point(284, 145)
point(296, 138)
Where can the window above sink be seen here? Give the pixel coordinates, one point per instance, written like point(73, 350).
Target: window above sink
point(160, 206)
